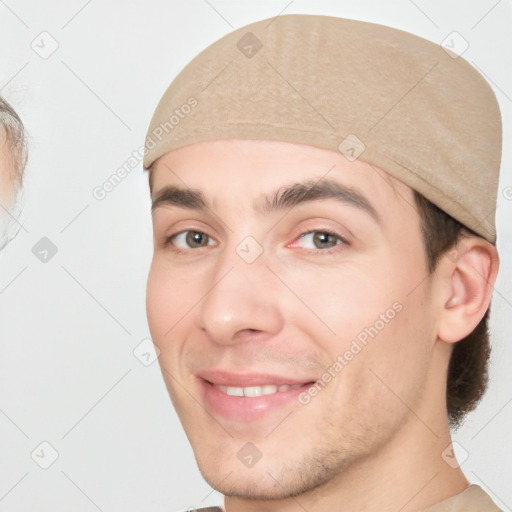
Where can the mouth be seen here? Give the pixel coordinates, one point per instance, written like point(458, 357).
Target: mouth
point(249, 397)
point(254, 391)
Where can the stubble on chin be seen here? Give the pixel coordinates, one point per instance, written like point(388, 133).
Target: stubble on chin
point(281, 476)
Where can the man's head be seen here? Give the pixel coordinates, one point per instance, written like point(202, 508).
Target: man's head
point(12, 161)
point(341, 245)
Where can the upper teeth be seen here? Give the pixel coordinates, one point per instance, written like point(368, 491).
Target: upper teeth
point(256, 390)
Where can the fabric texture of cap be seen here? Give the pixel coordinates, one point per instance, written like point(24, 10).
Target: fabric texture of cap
point(384, 96)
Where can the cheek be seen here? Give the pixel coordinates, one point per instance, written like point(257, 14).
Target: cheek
point(167, 301)
point(156, 302)
point(392, 366)
point(7, 188)
point(368, 310)
point(342, 302)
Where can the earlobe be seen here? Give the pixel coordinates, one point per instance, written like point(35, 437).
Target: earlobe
point(468, 284)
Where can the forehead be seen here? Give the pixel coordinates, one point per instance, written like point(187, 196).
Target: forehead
point(238, 170)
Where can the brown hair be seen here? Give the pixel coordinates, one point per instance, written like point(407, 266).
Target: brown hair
point(13, 130)
point(468, 369)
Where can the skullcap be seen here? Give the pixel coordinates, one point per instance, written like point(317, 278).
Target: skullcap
point(395, 100)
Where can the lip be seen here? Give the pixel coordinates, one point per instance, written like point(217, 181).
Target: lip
point(247, 409)
point(244, 379)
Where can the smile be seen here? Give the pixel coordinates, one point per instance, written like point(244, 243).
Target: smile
point(255, 391)
point(248, 397)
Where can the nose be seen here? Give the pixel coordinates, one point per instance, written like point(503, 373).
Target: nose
point(240, 301)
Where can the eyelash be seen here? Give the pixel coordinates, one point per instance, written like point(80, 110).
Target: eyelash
point(343, 241)
point(168, 241)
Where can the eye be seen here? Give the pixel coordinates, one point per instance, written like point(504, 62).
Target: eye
point(190, 240)
point(319, 240)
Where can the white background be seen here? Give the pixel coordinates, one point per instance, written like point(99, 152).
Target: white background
point(68, 327)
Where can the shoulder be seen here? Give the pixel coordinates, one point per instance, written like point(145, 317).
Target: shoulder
point(473, 499)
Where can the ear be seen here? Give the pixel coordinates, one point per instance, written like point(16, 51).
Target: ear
point(467, 273)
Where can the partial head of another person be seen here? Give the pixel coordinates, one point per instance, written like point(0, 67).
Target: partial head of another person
point(13, 159)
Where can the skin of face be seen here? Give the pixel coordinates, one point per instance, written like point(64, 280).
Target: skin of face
point(6, 182)
point(373, 434)
point(7, 187)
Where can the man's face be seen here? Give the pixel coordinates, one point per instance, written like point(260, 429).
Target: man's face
point(266, 289)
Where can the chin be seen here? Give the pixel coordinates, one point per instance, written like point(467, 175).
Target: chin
point(272, 477)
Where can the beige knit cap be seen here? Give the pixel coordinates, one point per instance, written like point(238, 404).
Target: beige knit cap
point(389, 98)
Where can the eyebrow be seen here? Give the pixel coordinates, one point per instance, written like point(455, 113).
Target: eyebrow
point(285, 198)
point(298, 193)
point(176, 196)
